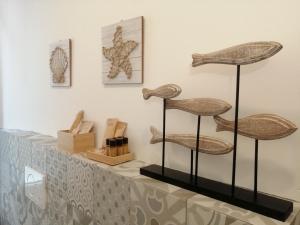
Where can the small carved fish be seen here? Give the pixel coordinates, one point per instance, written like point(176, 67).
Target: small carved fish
point(166, 91)
point(200, 106)
point(208, 145)
point(239, 55)
point(260, 126)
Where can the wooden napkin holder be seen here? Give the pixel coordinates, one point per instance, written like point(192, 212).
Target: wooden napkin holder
point(75, 143)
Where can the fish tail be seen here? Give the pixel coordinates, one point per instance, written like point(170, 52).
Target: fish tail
point(156, 135)
point(198, 60)
point(146, 93)
point(220, 123)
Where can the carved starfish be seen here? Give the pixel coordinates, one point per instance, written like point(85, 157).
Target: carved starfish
point(118, 55)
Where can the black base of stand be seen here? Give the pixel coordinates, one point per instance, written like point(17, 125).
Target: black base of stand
point(263, 204)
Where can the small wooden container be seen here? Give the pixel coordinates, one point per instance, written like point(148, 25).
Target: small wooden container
point(99, 156)
point(75, 143)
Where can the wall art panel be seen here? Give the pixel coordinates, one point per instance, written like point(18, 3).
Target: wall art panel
point(122, 52)
point(60, 63)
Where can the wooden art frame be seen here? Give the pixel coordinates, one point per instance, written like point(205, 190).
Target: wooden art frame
point(122, 52)
point(60, 63)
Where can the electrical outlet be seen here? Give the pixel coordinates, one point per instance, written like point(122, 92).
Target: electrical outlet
point(35, 187)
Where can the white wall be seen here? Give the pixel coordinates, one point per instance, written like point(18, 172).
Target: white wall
point(173, 31)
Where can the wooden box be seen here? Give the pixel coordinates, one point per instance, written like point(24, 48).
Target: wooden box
point(75, 143)
point(98, 156)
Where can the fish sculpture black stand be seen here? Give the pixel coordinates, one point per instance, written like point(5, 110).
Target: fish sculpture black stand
point(238, 55)
point(258, 127)
point(197, 106)
point(208, 145)
point(165, 92)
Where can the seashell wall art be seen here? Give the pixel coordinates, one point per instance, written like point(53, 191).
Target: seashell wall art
point(122, 52)
point(60, 63)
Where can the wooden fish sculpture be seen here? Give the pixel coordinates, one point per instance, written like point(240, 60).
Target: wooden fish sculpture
point(239, 55)
point(200, 106)
point(166, 91)
point(208, 145)
point(260, 126)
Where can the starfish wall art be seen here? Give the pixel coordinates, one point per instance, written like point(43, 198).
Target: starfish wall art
point(122, 51)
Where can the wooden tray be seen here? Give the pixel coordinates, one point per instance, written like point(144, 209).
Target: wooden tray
point(97, 155)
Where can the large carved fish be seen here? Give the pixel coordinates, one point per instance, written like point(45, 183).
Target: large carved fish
point(208, 145)
point(239, 55)
point(166, 91)
point(260, 126)
point(200, 106)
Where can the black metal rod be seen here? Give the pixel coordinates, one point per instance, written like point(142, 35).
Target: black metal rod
point(164, 137)
point(255, 168)
point(235, 129)
point(197, 148)
point(192, 162)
